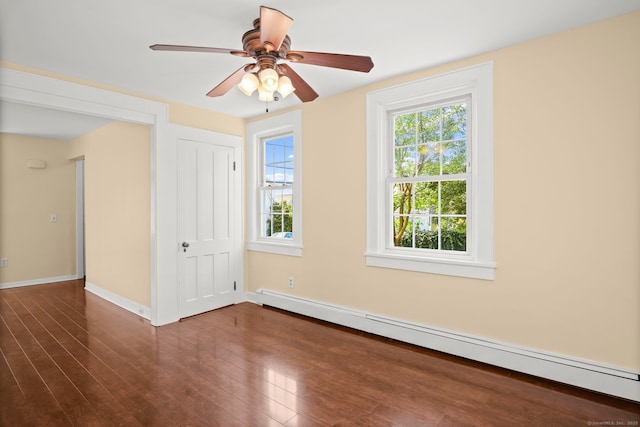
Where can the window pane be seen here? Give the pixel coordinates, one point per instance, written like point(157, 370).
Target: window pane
point(267, 200)
point(289, 148)
point(402, 231)
point(427, 233)
point(279, 151)
point(454, 234)
point(405, 130)
point(266, 225)
point(279, 161)
point(429, 159)
point(287, 225)
point(281, 175)
point(269, 175)
point(454, 157)
point(405, 160)
point(269, 153)
point(276, 201)
point(287, 161)
point(429, 125)
point(453, 197)
point(276, 224)
point(454, 122)
point(426, 200)
point(402, 197)
point(288, 172)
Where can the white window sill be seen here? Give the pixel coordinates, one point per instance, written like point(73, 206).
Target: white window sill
point(448, 267)
point(275, 248)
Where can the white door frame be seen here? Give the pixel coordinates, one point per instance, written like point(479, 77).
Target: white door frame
point(80, 253)
point(26, 88)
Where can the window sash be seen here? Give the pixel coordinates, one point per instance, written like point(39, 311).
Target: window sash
point(269, 186)
point(392, 179)
point(278, 164)
point(268, 201)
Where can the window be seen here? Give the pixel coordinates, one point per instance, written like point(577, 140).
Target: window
point(430, 175)
point(276, 187)
point(429, 182)
point(274, 183)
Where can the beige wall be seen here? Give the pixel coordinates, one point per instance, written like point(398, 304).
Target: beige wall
point(35, 247)
point(117, 208)
point(567, 203)
point(200, 118)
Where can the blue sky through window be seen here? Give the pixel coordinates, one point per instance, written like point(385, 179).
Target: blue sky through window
point(278, 162)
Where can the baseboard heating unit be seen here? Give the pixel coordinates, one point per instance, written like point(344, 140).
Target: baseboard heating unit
point(612, 380)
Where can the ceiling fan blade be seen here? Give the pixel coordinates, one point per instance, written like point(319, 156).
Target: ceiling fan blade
point(228, 83)
point(334, 60)
point(274, 26)
point(179, 48)
point(303, 90)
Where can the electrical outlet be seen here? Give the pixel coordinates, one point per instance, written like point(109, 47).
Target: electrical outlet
point(290, 282)
point(4, 262)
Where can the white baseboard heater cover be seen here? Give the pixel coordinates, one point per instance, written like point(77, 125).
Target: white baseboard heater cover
point(616, 381)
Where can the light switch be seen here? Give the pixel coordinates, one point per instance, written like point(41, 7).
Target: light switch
point(54, 217)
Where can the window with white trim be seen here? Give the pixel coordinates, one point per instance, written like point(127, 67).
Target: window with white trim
point(430, 175)
point(274, 219)
point(276, 187)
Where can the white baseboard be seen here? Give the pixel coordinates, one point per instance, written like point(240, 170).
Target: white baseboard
point(32, 282)
point(252, 297)
point(120, 301)
point(612, 380)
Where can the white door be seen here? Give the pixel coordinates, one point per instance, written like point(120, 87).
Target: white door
point(207, 215)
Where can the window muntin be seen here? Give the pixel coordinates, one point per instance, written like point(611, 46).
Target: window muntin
point(429, 182)
point(276, 187)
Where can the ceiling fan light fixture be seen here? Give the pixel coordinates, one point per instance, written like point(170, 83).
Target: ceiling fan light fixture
point(248, 84)
point(269, 79)
point(285, 87)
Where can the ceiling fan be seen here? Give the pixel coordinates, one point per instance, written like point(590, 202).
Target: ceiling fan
point(268, 44)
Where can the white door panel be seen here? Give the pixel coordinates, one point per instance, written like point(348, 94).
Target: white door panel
point(206, 215)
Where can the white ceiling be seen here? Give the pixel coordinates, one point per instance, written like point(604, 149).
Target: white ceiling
point(107, 42)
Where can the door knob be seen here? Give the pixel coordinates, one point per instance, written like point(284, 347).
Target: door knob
point(185, 245)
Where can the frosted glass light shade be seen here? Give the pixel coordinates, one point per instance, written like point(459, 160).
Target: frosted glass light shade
point(264, 94)
point(285, 87)
point(248, 84)
point(269, 79)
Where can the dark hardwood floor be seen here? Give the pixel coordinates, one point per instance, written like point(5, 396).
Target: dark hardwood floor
point(71, 358)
